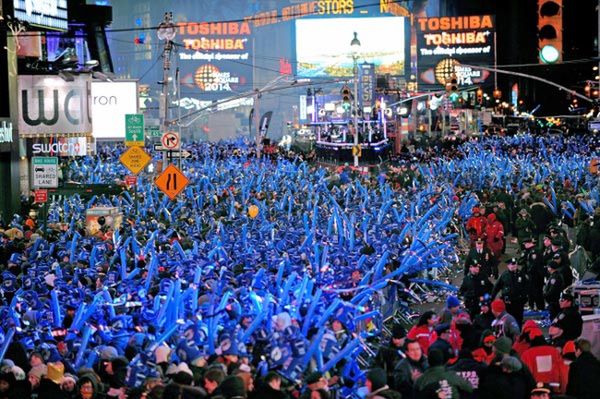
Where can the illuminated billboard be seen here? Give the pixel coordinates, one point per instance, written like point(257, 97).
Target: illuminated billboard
point(323, 45)
point(111, 101)
point(447, 45)
point(49, 14)
point(215, 58)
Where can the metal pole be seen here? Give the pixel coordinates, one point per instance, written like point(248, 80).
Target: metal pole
point(496, 63)
point(257, 123)
point(177, 77)
point(165, 83)
point(355, 109)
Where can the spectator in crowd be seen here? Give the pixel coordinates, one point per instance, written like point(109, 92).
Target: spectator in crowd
point(436, 380)
point(376, 384)
point(584, 372)
point(424, 331)
point(409, 369)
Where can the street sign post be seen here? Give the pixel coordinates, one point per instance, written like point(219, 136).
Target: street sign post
point(135, 159)
point(134, 130)
point(45, 172)
point(172, 181)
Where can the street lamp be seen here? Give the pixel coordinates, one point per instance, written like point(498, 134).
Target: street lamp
point(355, 48)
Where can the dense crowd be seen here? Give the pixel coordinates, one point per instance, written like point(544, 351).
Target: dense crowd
point(276, 278)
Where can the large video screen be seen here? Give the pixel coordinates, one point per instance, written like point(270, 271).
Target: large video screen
point(323, 45)
point(450, 46)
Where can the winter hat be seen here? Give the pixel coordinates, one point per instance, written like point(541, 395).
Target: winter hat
point(6, 366)
point(568, 351)
point(377, 377)
point(511, 363)
point(498, 306)
point(108, 353)
point(39, 371)
point(19, 373)
point(436, 358)
point(452, 302)
point(56, 372)
point(70, 377)
point(528, 325)
point(503, 345)
point(398, 331)
point(184, 368)
point(233, 386)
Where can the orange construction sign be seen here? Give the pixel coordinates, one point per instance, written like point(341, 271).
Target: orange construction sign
point(172, 181)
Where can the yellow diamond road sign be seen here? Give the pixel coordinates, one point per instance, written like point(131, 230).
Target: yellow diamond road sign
point(135, 159)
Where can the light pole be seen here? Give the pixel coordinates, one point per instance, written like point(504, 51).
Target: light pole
point(354, 48)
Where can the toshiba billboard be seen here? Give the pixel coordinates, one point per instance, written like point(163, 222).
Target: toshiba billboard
point(444, 44)
point(110, 102)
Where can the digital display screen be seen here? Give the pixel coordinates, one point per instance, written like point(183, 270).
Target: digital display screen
point(323, 45)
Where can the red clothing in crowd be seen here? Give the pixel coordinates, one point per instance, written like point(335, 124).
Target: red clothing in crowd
point(423, 335)
point(476, 225)
point(494, 235)
point(545, 364)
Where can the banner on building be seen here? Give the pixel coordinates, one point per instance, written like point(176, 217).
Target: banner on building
point(366, 86)
point(445, 45)
point(111, 101)
point(50, 105)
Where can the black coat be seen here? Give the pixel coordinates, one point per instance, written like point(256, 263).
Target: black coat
point(266, 392)
point(583, 377)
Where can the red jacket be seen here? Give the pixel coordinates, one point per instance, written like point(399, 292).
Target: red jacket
point(423, 335)
point(494, 235)
point(545, 364)
point(476, 226)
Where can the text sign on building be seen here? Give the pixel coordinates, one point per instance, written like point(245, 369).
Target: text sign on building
point(45, 172)
point(49, 14)
point(215, 57)
point(110, 102)
point(6, 132)
point(49, 105)
point(444, 44)
point(366, 87)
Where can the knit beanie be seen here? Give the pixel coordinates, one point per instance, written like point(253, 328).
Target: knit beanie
point(377, 377)
point(503, 345)
point(498, 306)
point(452, 302)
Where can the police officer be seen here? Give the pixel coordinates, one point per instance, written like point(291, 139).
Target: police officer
point(567, 325)
point(514, 285)
point(553, 288)
point(531, 259)
point(481, 255)
point(474, 286)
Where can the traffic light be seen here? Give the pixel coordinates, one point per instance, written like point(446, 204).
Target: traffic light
point(452, 84)
point(346, 96)
point(479, 96)
point(550, 31)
